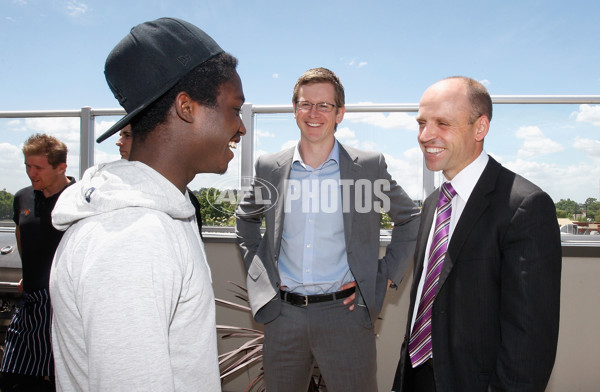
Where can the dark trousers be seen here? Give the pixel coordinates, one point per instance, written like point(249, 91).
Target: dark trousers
point(12, 382)
point(421, 378)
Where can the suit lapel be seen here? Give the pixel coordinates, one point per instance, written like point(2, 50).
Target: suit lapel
point(426, 223)
point(476, 205)
point(281, 172)
point(348, 171)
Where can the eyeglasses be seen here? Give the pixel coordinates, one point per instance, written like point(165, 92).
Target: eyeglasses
point(322, 107)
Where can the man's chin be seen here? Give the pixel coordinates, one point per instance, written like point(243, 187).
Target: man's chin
point(214, 171)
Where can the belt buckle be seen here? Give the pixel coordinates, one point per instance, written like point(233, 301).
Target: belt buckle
point(305, 304)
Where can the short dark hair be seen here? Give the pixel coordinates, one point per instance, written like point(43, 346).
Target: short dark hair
point(321, 75)
point(201, 83)
point(479, 97)
point(41, 144)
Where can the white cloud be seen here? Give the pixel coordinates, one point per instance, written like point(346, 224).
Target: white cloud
point(12, 168)
point(63, 128)
point(369, 146)
point(17, 126)
point(407, 171)
point(529, 132)
point(389, 121)
point(535, 143)
point(258, 153)
point(288, 144)
point(76, 8)
point(577, 182)
point(102, 126)
point(9, 153)
point(345, 134)
point(357, 64)
point(275, 76)
point(260, 133)
point(589, 146)
point(230, 178)
point(103, 157)
point(588, 113)
point(485, 82)
point(348, 137)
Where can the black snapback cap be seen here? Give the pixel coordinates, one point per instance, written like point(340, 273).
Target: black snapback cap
point(150, 60)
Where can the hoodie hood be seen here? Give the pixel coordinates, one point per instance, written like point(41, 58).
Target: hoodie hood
point(117, 185)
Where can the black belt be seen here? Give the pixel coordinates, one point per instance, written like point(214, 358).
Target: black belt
point(304, 300)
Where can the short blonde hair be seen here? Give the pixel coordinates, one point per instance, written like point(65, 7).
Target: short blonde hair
point(321, 75)
point(41, 144)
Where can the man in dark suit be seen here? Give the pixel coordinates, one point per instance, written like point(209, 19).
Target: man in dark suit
point(315, 278)
point(485, 315)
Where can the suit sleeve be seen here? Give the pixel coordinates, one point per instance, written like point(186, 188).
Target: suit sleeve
point(248, 218)
point(530, 297)
point(405, 215)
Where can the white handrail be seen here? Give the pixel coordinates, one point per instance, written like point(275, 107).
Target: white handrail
point(87, 115)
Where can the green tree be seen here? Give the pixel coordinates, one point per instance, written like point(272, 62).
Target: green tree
point(6, 205)
point(593, 210)
point(589, 201)
point(217, 206)
point(569, 206)
point(386, 221)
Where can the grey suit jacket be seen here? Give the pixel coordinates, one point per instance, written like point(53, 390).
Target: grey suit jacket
point(265, 200)
point(496, 312)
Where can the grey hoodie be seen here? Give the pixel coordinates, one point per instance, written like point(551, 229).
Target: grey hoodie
point(130, 286)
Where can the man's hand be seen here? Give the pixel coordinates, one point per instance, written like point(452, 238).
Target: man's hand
point(351, 298)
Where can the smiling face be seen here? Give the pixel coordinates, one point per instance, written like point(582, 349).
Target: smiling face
point(317, 127)
point(218, 129)
point(124, 142)
point(448, 135)
point(43, 176)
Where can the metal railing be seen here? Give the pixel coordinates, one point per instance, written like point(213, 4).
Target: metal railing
point(87, 117)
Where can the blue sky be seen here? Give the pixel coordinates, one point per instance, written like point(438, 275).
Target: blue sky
point(52, 55)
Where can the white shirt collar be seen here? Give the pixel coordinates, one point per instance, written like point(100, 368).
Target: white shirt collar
point(334, 155)
point(464, 182)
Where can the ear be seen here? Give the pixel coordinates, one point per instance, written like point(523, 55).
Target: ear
point(482, 126)
point(340, 114)
point(184, 107)
point(62, 167)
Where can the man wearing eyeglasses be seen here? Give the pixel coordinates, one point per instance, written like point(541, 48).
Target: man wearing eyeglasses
point(315, 278)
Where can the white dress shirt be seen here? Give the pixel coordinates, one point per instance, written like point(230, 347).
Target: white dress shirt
point(463, 183)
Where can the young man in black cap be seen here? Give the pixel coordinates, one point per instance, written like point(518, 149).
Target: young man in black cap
point(130, 285)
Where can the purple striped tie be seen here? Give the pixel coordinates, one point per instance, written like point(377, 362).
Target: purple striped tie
point(419, 345)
